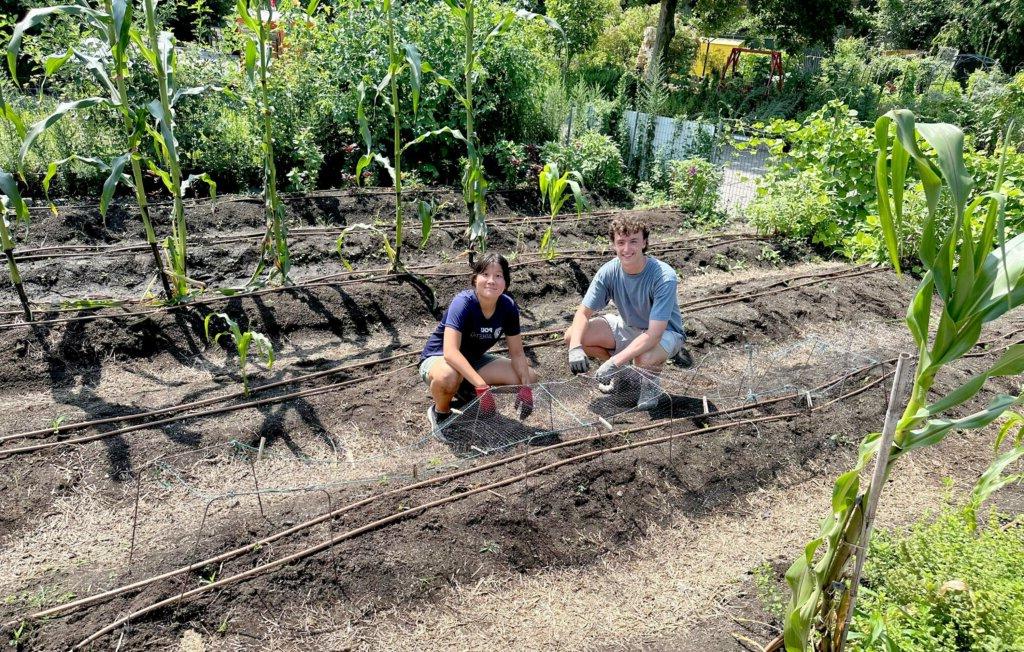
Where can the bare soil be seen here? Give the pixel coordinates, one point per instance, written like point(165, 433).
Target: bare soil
point(191, 488)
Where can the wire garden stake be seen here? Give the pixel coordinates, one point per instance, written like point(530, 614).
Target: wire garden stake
point(135, 518)
point(256, 483)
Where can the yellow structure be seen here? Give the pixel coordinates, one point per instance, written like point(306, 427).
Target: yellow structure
point(712, 54)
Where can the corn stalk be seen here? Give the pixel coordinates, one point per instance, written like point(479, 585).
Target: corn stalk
point(112, 25)
point(161, 56)
point(402, 58)
point(259, 18)
point(977, 277)
point(11, 195)
point(474, 184)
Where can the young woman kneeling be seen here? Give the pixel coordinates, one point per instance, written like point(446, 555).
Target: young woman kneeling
point(456, 352)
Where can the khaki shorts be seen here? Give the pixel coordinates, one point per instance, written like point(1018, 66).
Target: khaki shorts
point(623, 334)
point(477, 364)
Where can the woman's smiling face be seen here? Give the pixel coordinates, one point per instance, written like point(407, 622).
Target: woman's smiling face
point(490, 283)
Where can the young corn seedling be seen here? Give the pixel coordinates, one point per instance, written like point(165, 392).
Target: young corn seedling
point(258, 18)
point(554, 189)
point(11, 196)
point(402, 59)
point(972, 278)
point(113, 25)
point(244, 341)
point(474, 184)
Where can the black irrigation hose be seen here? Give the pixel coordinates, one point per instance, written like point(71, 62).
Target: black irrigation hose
point(83, 602)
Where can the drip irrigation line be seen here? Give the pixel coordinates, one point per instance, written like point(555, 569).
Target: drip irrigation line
point(230, 554)
point(418, 510)
point(67, 427)
point(436, 480)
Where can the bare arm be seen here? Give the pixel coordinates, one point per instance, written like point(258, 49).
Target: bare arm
point(642, 344)
point(518, 356)
point(579, 324)
point(453, 356)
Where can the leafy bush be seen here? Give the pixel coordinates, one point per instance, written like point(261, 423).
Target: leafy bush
point(692, 185)
point(512, 164)
point(799, 207)
point(830, 152)
point(582, 21)
point(595, 156)
point(619, 42)
point(943, 586)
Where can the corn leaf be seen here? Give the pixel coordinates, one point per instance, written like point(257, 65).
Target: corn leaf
point(412, 55)
point(116, 169)
point(992, 480)
point(9, 187)
point(936, 430)
point(35, 17)
point(99, 72)
point(196, 178)
point(435, 132)
point(58, 113)
point(1010, 363)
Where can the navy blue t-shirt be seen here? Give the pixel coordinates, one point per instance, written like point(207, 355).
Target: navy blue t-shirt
point(478, 333)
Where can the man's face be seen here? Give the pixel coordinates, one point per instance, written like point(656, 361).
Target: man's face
point(629, 247)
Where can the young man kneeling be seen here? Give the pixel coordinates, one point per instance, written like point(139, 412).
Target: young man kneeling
point(649, 327)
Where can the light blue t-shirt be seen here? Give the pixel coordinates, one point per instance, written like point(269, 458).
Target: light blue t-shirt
point(640, 298)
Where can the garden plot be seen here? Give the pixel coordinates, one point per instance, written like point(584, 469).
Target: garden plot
point(332, 469)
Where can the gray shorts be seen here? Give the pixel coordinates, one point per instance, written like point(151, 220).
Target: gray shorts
point(623, 334)
point(477, 364)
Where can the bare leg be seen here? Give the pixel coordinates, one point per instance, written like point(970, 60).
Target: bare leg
point(598, 341)
point(500, 372)
point(444, 382)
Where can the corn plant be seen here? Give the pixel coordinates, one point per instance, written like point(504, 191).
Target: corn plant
point(258, 17)
point(474, 184)
point(553, 191)
point(977, 277)
point(243, 341)
point(112, 24)
point(10, 195)
point(402, 58)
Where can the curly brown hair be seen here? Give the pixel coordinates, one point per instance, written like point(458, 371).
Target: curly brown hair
point(627, 225)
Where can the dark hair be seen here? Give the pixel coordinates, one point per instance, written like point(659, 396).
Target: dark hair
point(628, 225)
point(481, 264)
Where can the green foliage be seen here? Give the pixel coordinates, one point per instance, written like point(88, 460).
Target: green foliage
point(594, 156)
point(768, 591)
point(993, 28)
point(582, 21)
point(943, 586)
point(510, 161)
point(819, 180)
point(797, 23)
point(911, 24)
point(243, 342)
point(692, 185)
point(619, 42)
point(798, 207)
